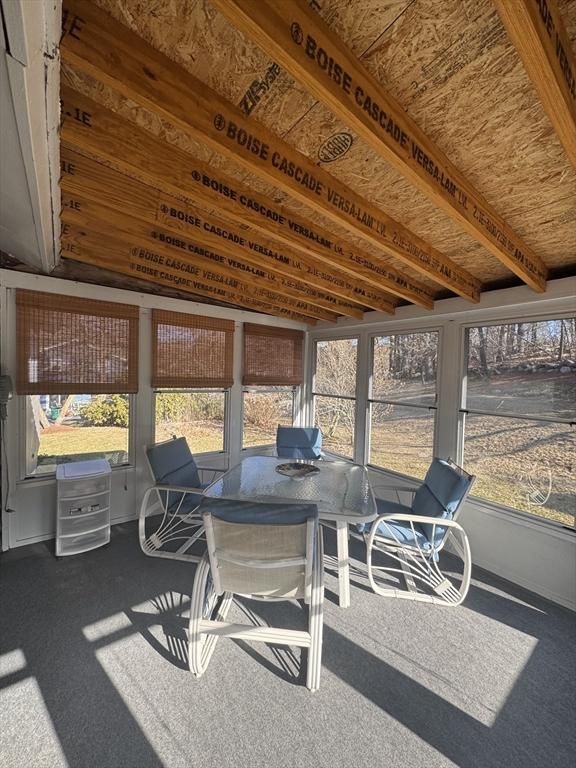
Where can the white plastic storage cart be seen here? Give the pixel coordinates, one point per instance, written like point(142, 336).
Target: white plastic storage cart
point(83, 508)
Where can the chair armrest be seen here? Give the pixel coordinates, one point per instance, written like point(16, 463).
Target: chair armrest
point(405, 488)
point(177, 489)
point(444, 522)
point(393, 489)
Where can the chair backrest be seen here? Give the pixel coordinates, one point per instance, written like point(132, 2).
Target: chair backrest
point(445, 487)
point(172, 463)
point(298, 442)
point(260, 550)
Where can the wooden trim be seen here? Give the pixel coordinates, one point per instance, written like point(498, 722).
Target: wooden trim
point(87, 179)
point(108, 51)
point(537, 31)
point(101, 250)
point(138, 153)
point(294, 34)
point(82, 212)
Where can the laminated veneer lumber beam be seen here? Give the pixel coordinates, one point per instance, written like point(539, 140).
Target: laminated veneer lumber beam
point(86, 178)
point(537, 31)
point(298, 39)
point(88, 127)
point(103, 48)
point(113, 254)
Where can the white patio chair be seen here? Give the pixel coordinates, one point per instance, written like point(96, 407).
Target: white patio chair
point(263, 552)
point(412, 537)
point(174, 499)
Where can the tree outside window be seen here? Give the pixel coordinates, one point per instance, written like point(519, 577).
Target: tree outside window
point(402, 402)
point(335, 394)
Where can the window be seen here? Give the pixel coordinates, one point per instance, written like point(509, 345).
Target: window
point(519, 433)
point(198, 416)
point(263, 410)
point(272, 373)
point(64, 428)
point(77, 366)
point(192, 360)
point(334, 394)
point(402, 402)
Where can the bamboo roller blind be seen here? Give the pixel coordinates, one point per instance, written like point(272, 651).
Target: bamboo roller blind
point(191, 351)
point(68, 345)
point(272, 356)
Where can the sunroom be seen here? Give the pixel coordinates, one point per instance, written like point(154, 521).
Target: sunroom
point(288, 383)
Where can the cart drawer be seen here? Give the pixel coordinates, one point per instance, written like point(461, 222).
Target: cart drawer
point(84, 486)
point(72, 545)
point(85, 505)
point(84, 523)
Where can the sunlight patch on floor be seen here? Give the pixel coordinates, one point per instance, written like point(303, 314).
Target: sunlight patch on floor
point(28, 734)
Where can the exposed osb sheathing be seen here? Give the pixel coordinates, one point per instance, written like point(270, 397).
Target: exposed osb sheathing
point(452, 67)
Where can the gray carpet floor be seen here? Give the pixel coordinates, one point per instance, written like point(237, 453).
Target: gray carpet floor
point(93, 672)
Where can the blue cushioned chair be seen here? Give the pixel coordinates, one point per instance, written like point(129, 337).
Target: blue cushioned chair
point(412, 536)
point(176, 494)
point(264, 552)
point(299, 442)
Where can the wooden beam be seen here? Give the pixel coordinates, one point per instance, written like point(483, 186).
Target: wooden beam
point(136, 152)
point(538, 33)
point(189, 257)
point(96, 44)
point(79, 244)
point(110, 188)
point(81, 211)
point(299, 40)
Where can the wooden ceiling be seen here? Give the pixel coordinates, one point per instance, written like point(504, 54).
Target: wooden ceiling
point(320, 159)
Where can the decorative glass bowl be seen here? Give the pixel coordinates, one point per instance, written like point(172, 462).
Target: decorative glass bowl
point(297, 469)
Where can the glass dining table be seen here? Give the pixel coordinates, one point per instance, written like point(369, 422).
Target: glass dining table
point(341, 490)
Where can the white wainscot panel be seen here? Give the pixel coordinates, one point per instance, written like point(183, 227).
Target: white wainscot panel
point(34, 503)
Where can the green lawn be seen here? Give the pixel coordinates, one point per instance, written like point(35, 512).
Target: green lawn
point(64, 443)
point(202, 436)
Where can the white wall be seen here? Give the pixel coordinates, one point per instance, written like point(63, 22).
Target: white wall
point(533, 552)
point(33, 500)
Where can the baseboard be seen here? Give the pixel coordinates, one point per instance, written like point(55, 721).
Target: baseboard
point(531, 586)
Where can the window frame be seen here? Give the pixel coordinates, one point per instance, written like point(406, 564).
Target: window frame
point(370, 400)
point(22, 448)
point(296, 390)
point(200, 390)
point(358, 336)
point(463, 411)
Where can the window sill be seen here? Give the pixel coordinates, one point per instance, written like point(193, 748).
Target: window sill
point(404, 478)
point(51, 476)
point(522, 518)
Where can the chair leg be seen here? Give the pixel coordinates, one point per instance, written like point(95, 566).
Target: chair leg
point(183, 530)
point(316, 620)
point(343, 564)
point(204, 603)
